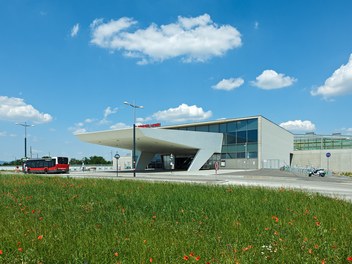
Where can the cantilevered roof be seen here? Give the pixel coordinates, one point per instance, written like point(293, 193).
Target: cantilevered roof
point(150, 141)
point(155, 140)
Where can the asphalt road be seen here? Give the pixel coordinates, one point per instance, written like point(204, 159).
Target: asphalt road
point(339, 187)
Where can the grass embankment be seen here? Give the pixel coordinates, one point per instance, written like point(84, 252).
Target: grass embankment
point(57, 220)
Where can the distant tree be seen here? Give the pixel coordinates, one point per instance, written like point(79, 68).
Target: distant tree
point(13, 163)
point(89, 161)
point(74, 161)
point(97, 160)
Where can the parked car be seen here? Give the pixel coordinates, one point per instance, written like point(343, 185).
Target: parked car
point(317, 172)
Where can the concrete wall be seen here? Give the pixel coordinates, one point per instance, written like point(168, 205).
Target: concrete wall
point(274, 144)
point(241, 164)
point(339, 161)
point(125, 163)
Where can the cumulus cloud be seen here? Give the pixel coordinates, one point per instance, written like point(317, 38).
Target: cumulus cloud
point(338, 84)
point(228, 84)
point(82, 127)
point(74, 30)
point(109, 111)
point(270, 79)
point(298, 125)
point(182, 113)
point(15, 109)
point(119, 126)
point(192, 39)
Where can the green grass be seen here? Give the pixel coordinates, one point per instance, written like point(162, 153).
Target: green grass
point(60, 220)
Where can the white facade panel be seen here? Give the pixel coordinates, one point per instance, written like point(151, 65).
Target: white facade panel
point(275, 145)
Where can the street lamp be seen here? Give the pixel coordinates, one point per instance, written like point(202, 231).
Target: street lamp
point(134, 106)
point(25, 125)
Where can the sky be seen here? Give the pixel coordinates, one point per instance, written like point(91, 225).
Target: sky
point(68, 66)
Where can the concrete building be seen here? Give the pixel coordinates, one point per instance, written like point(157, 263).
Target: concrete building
point(240, 143)
point(331, 152)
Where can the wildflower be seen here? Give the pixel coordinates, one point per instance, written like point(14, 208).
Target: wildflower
point(185, 257)
point(317, 223)
point(275, 218)
point(191, 254)
point(40, 237)
point(247, 248)
point(323, 261)
point(116, 254)
point(151, 260)
point(20, 249)
point(1, 252)
point(197, 258)
point(349, 258)
point(310, 251)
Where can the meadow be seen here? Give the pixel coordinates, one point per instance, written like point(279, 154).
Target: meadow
point(65, 220)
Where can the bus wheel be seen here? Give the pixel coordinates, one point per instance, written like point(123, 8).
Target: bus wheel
point(45, 171)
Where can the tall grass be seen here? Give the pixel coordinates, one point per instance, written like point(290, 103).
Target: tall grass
point(58, 220)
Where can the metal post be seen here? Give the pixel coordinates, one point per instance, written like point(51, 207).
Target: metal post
point(117, 156)
point(134, 106)
point(134, 151)
point(25, 125)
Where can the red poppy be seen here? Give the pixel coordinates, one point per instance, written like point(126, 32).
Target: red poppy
point(317, 223)
point(151, 260)
point(198, 258)
point(349, 258)
point(116, 254)
point(275, 218)
point(40, 237)
point(1, 252)
point(20, 249)
point(185, 257)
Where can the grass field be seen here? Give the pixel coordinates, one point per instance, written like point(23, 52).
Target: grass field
point(60, 220)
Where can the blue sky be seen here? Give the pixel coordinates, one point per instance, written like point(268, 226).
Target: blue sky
point(68, 66)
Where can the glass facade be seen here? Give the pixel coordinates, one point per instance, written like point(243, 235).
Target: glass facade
point(240, 137)
point(316, 142)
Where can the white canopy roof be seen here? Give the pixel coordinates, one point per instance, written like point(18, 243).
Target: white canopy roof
point(151, 141)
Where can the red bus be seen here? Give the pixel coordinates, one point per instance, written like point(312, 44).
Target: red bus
point(46, 165)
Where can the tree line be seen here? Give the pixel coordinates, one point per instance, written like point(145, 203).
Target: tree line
point(93, 160)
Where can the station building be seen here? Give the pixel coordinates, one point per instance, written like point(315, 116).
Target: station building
point(239, 143)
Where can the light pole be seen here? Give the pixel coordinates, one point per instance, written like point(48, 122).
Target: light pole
point(134, 106)
point(25, 125)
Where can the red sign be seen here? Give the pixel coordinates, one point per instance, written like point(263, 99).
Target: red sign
point(150, 125)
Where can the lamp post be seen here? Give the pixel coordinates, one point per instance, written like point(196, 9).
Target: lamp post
point(134, 106)
point(25, 125)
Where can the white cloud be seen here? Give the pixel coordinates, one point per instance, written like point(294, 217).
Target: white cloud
point(338, 84)
point(74, 30)
point(270, 79)
point(119, 126)
point(15, 109)
point(192, 39)
point(256, 25)
point(109, 111)
point(228, 84)
point(298, 125)
point(182, 113)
